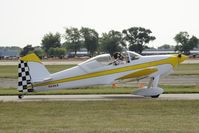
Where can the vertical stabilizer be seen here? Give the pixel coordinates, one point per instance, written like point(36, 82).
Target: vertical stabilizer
point(30, 70)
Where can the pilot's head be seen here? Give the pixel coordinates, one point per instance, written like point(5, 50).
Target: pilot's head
point(116, 55)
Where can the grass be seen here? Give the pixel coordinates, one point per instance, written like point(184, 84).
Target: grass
point(126, 116)
point(103, 90)
point(181, 89)
point(187, 69)
point(8, 71)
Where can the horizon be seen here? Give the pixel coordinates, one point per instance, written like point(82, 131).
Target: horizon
point(27, 21)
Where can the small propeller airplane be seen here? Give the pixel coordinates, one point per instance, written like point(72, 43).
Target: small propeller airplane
point(99, 70)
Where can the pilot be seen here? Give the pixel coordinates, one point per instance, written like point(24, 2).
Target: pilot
point(118, 58)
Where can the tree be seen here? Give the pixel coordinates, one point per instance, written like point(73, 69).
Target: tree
point(166, 47)
point(137, 37)
point(73, 39)
point(51, 40)
point(40, 53)
point(60, 52)
point(57, 52)
point(26, 50)
point(90, 37)
point(111, 42)
point(185, 43)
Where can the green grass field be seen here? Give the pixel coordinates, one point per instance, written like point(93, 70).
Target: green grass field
point(187, 69)
point(120, 116)
point(11, 71)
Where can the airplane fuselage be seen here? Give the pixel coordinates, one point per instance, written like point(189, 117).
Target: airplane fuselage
point(84, 74)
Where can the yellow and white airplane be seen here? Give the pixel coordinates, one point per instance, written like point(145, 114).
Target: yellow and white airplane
point(99, 70)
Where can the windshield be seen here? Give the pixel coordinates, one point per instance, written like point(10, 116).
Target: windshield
point(133, 55)
point(129, 55)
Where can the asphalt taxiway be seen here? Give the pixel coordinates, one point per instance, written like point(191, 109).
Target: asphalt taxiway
point(96, 97)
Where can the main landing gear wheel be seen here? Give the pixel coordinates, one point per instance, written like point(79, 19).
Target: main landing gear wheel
point(20, 96)
point(156, 96)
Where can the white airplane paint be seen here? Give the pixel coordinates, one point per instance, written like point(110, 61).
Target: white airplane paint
point(99, 70)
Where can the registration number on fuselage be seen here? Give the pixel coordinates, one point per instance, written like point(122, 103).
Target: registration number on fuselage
point(54, 85)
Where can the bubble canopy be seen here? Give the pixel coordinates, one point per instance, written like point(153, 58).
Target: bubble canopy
point(104, 59)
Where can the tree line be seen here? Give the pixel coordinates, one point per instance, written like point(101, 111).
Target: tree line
point(134, 39)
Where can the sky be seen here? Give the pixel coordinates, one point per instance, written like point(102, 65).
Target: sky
point(25, 22)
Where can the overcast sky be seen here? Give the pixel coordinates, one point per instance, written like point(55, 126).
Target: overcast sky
point(25, 22)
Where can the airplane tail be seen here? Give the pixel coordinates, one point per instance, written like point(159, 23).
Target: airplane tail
point(30, 70)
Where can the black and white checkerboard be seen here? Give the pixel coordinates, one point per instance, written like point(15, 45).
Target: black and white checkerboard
point(24, 78)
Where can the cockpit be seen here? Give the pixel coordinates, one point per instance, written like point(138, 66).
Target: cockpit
point(107, 60)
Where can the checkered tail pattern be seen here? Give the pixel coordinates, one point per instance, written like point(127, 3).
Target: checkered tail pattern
point(24, 78)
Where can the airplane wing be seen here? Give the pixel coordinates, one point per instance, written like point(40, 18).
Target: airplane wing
point(139, 74)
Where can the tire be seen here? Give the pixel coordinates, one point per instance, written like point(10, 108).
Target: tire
point(20, 96)
point(156, 96)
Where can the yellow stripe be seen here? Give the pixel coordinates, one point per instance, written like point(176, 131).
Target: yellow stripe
point(139, 73)
point(171, 60)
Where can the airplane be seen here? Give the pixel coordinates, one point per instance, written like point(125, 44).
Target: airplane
point(99, 70)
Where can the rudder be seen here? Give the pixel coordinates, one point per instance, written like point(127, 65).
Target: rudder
point(24, 78)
